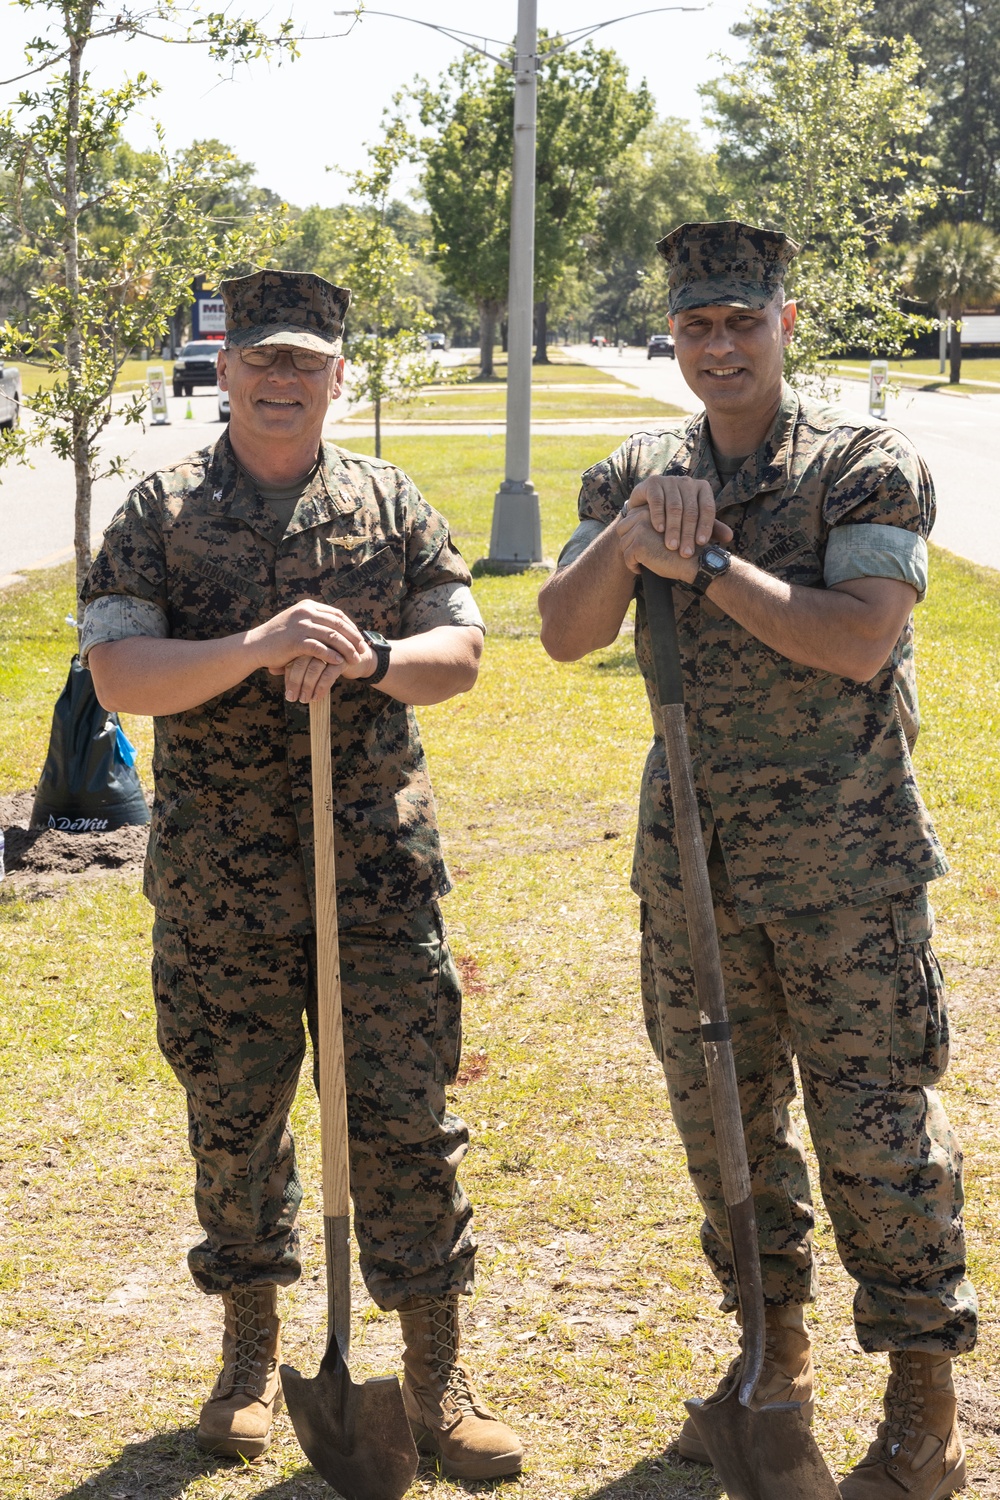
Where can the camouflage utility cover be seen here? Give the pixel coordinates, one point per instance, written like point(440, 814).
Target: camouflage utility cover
point(231, 840)
point(806, 776)
point(724, 264)
point(294, 308)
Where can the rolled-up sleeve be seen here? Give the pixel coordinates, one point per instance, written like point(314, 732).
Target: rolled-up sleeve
point(115, 617)
point(587, 532)
point(445, 604)
point(867, 551)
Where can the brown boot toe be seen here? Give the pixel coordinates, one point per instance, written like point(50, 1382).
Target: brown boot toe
point(447, 1416)
point(235, 1421)
point(918, 1453)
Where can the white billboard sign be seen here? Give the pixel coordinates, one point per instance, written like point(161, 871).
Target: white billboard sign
point(211, 315)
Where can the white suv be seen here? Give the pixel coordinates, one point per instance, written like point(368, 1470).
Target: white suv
point(10, 396)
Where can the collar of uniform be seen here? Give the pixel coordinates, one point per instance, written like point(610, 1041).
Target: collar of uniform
point(767, 469)
point(332, 493)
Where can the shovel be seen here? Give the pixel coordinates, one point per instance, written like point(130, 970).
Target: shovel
point(769, 1453)
point(356, 1436)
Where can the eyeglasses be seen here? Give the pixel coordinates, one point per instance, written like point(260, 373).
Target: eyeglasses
point(302, 359)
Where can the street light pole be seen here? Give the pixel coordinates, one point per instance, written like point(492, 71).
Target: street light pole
point(516, 537)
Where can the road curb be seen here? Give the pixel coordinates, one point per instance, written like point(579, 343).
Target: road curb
point(50, 560)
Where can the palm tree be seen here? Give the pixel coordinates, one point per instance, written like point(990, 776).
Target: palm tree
point(955, 266)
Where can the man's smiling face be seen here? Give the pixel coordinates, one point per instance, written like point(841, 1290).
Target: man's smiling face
point(279, 401)
point(732, 357)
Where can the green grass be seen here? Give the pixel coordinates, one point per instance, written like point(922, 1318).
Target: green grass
point(560, 370)
point(489, 404)
point(924, 374)
point(133, 374)
point(594, 1314)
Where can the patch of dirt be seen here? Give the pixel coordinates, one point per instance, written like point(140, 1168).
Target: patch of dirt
point(46, 856)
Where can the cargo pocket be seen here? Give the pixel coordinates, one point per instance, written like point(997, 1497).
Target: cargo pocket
point(647, 978)
point(183, 1036)
point(448, 1038)
point(920, 1037)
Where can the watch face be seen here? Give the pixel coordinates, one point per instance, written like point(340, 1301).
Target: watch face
point(712, 557)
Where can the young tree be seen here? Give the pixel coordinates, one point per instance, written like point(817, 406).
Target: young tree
point(587, 117)
point(467, 185)
point(953, 266)
point(665, 178)
point(98, 295)
point(818, 140)
point(388, 328)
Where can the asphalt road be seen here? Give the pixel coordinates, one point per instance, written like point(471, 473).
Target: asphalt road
point(958, 435)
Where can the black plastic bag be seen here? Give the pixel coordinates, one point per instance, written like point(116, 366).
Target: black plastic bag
point(89, 783)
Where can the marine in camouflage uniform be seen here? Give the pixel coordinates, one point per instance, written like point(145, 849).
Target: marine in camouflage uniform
point(820, 850)
point(202, 552)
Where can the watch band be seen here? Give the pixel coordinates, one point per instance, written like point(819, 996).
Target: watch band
point(709, 571)
point(382, 650)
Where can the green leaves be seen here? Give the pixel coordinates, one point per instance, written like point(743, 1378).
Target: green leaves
point(820, 141)
point(387, 327)
point(112, 238)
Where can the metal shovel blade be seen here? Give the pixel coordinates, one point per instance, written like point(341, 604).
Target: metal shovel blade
point(767, 1454)
point(356, 1436)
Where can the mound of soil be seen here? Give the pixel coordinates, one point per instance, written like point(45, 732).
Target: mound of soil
point(46, 855)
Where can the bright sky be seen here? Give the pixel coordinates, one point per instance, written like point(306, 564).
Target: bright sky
point(296, 121)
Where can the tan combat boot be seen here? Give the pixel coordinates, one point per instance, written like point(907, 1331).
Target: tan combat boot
point(446, 1414)
point(787, 1374)
point(236, 1419)
point(919, 1453)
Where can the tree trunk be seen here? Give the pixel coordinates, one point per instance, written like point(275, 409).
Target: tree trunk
point(542, 333)
point(955, 373)
point(74, 336)
point(488, 313)
point(504, 330)
point(378, 426)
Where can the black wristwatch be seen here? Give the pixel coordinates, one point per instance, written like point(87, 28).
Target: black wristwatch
point(382, 650)
point(713, 562)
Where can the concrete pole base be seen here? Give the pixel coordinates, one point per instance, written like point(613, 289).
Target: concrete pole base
point(516, 537)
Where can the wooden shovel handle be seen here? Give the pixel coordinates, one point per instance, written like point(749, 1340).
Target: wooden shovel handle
point(698, 904)
point(716, 1033)
point(332, 1083)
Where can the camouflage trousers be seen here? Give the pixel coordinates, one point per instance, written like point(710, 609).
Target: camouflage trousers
point(856, 996)
point(230, 1023)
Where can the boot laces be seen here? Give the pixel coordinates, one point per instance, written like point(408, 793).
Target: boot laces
point(904, 1403)
point(250, 1333)
point(444, 1357)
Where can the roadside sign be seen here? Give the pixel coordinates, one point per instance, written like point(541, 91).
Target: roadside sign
point(210, 318)
point(878, 387)
point(156, 379)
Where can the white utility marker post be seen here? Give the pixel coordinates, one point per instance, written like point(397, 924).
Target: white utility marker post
point(516, 537)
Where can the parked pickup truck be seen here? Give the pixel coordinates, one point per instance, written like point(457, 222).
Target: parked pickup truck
point(10, 396)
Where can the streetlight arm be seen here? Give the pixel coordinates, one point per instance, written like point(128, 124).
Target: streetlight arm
point(463, 38)
point(585, 31)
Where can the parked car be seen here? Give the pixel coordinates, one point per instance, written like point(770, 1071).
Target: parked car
point(436, 341)
point(661, 344)
point(223, 406)
point(598, 340)
point(10, 396)
point(195, 365)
